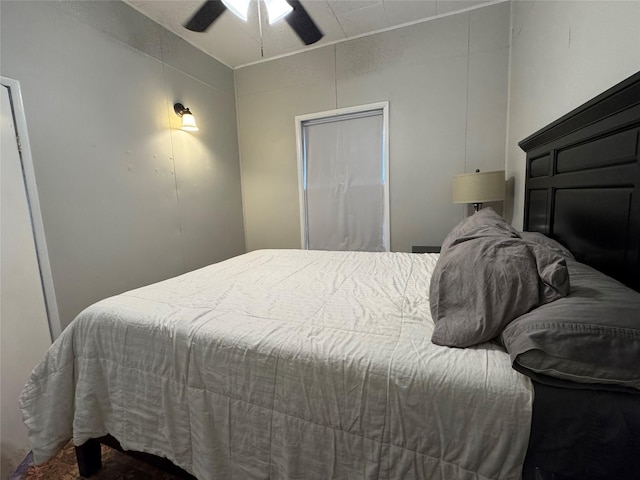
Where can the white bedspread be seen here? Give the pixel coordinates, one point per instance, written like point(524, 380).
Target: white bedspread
point(284, 364)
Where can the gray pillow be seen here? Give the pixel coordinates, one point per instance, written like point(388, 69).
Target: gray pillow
point(552, 272)
point(592, 336)
point(484, 223)
point(478, 287)
point(485, 277)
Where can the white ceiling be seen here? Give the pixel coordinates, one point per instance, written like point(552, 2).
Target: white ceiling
point(236, 43)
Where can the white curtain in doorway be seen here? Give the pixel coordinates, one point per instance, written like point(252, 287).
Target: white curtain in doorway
point(345, 182)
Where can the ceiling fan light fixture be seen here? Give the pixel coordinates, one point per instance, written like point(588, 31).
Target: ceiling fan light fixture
point(239, 7)
point(293, 11)
point(277, 10)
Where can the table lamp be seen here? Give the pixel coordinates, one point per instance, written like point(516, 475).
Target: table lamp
point(478, 188)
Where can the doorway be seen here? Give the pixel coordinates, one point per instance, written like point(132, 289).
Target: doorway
point(28, 313)
point(343, 176)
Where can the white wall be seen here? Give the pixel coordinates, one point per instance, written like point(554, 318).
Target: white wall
point(127, 199)
point(562, 55)
point(446, 81)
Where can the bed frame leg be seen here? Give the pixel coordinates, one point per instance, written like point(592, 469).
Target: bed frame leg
point(89, 457)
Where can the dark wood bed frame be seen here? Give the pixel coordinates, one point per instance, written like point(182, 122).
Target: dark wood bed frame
point(582, 188)
point(582, 182)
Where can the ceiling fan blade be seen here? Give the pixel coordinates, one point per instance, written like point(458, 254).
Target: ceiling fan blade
point(205, 16)
point(302, 23)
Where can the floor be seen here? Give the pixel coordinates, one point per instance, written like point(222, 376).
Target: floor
point(115, 466)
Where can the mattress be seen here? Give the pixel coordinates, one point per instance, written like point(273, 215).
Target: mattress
point(284, 364)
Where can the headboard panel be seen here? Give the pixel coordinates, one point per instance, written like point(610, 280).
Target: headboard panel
point(582, 182)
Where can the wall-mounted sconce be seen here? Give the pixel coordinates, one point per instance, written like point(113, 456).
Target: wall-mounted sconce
point(188, 120)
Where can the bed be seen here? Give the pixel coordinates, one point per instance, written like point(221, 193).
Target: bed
point(304, 364)
point(285, 364)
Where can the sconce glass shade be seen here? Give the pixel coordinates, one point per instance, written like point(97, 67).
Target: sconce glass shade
point(277, 10)
point(189, 123)
point(188, 120)
point(479, 187)
point(238, 7)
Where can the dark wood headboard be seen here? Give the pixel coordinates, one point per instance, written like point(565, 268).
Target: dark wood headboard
point(582, 182)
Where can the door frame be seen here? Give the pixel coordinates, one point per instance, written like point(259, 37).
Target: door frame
point(46, 277)
point(300, 119)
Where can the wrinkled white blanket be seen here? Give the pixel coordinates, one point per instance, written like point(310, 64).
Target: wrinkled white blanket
point(284, 364)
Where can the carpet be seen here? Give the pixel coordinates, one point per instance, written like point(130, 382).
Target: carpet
point(115, 466)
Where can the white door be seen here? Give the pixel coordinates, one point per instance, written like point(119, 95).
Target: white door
point(343, 173)
point(24, 328)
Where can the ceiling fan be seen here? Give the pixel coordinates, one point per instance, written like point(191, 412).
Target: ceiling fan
point(291, 10)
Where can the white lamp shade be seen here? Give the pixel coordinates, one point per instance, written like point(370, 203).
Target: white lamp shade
point(479, 187)
point(238, 7)
point(189, 123)
point(277, 10)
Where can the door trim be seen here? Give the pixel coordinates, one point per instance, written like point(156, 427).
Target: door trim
point(15, 96)
point(300, 119)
